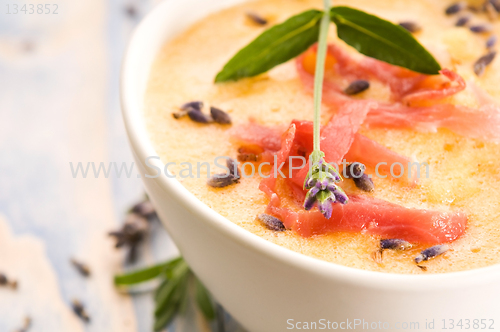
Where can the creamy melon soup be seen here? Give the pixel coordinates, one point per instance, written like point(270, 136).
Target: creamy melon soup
point(464, 171)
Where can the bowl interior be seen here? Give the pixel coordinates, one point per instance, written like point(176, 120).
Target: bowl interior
point(166, 21)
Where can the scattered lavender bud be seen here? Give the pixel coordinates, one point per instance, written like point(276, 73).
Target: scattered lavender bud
point(79, 310)
point(222, 180)
point(257, 19)
point(220, 116)
point(271, 222)
point(197, 105)
point(356, 87)
point(81, 267)
point(144, 209)
point(462, 21)
point(431, 253)
point(491, 41)
point(389, 244)
point(412, 27)
point(364, 183)
point(423, 268)
point(454, 8)
point(481, 64)
point(395, 244)
point(482, 28)
point(233, 168)
point(354, 170)
point(131, 234)
point(4, 281)
point(198, 116)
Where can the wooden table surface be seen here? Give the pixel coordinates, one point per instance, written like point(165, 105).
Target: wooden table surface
point(59, 104)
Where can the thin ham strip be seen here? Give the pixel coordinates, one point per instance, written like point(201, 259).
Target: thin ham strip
point(362, 213)
point(482, 123)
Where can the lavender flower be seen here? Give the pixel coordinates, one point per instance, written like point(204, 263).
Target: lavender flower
point(323, 190)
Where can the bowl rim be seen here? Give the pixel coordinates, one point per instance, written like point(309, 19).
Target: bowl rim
point(131, 101)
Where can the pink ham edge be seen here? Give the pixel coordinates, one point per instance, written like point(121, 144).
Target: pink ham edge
point(482, 123)
point(454, 86)
point(364, 213)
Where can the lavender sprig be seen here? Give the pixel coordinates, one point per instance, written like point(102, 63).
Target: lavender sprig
point(322, 184)
point(322, 178)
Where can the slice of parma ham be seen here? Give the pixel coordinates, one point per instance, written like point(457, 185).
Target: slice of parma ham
point(408, 90)
point(361, 214)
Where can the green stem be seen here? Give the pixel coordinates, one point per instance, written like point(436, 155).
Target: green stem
point(320, 73)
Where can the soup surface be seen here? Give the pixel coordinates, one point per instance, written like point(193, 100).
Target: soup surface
point(464, 172)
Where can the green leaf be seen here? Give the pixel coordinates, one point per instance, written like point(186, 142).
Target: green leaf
point(382, 40)
point(204, 301)
point(274, 46)
point(165, 318)
point(145, 274)
point(172, 295)
point(171, 291)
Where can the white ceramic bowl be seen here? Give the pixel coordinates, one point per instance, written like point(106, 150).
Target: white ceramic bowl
point(265, 286)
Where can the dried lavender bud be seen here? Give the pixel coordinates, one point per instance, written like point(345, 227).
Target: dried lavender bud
point(257, 19)
point(480, 28)
point(131, 234)
point(462, 21)
point(356, 87)
point(196, 105)
point(79, 310)
point(491, 41)
point(4, 281)
point(412, 27)
point(354, 170)
point(220, 116)
point(144, 209)
point(81, 267)
point(233, 168)
point(481, 64)
point(271, 222)
point(198, 116)
point(395, 244)
point(222, 180)
point(455, 8)
point(431, 252)
point(364, 183)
